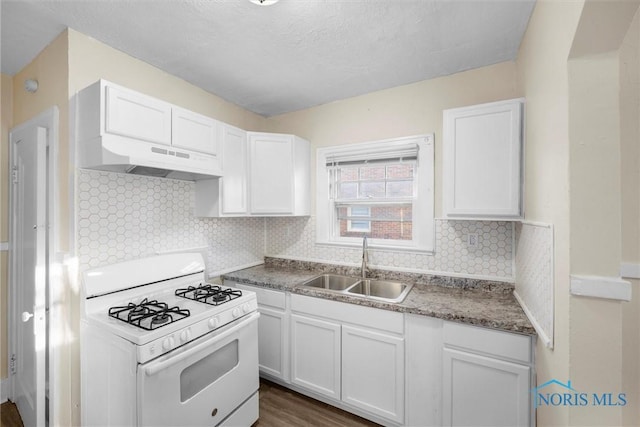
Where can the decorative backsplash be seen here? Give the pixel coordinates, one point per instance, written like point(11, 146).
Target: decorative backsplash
point(295, 238)
point(534, 281)
point(121, 217)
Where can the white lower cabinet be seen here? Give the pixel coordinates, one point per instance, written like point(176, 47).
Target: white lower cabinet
point(395, 369)
point(273, 332)
point(272, 343)
point(483, 391)
point(351, 354)
point(487, 377)
point(315, 355)
point(373, 372)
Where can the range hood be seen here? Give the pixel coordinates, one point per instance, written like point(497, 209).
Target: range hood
point(122, 154)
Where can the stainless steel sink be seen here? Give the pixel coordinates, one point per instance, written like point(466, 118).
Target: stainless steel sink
point(381, 290)
point(331, 282)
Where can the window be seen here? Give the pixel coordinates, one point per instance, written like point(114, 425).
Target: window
point(357, 220)
point(382, 190)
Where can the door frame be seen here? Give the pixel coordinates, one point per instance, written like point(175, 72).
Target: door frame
point(48, 119)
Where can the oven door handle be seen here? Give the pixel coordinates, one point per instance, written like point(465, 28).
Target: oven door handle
point(157, 367)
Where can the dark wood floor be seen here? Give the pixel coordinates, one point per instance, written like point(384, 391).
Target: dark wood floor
point(281, 407)
point(9, 416)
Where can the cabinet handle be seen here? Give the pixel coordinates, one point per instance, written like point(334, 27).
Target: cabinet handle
point(214, 412)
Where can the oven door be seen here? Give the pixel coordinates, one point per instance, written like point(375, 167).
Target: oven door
point(202, 382)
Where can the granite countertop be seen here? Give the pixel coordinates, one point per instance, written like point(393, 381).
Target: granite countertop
point(475, 302)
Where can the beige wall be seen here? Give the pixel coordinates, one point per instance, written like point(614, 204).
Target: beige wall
point(596, 324)
point(401, 111)
point(629, 139)
point(6, 108)
point(597, 121)
point(573, 181)
point(542, 77)
point(630, 181)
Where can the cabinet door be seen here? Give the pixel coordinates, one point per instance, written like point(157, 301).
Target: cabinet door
point(482, 161)
point(234, 163)
point(315, 355)
point(272, 174)
point(137, 116)
point(483, 391)
point(193, 131)
point(373, 372)
point(272, 344)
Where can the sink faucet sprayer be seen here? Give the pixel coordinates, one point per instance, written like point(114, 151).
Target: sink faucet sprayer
point(365, 257)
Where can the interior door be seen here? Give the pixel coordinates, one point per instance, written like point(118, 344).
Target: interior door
point(29, 264)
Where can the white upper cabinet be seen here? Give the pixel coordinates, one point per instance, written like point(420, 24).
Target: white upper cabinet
point(132, 114)
point(194, 131)
point(482, 164)
point(229, 195)
point(234, 189)
point(118, 127)
point(279, 170)
point(265, 174)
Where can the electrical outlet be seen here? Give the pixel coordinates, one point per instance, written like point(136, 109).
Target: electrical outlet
point(472, 240)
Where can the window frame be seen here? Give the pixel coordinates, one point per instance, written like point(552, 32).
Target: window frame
point(423, 203)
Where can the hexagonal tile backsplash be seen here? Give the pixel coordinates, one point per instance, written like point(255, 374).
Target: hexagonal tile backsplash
point(120, 217)
point(492, 257)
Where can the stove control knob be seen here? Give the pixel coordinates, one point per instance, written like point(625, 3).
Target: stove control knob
point(167, 344)
point(236, 312)
point(246, 308)
point(185, 335)
point(213, 323)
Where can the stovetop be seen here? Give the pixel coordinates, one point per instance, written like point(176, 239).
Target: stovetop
point(209, 294)
point(148, 315)
point(114, 311)
point(160, 303)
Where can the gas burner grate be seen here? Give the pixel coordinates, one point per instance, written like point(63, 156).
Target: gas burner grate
point(148, 315)
point(209, 294)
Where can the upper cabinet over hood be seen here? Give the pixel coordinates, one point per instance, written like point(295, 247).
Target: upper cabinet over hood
point(121, 130)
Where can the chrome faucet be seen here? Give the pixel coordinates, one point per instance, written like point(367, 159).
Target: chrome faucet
point(365, 257)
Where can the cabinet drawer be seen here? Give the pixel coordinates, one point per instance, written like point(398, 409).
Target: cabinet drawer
point(265, 296)
point(501, 344)
point(384, 320)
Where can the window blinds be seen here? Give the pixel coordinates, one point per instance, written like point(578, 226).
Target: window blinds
point(398, 153)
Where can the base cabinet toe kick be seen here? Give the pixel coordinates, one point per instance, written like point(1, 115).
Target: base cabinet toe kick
point(396, 369)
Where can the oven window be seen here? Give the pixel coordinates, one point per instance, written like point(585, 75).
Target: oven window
point(206, 371)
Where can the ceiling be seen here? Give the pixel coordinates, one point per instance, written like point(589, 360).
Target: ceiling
point(285, 57)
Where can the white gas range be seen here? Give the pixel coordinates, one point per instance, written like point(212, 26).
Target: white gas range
point(160, 346)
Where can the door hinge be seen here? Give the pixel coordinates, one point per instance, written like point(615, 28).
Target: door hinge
point(12, 364)
point(14, 174)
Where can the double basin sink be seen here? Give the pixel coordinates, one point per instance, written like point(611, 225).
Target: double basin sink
point(381, 290)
